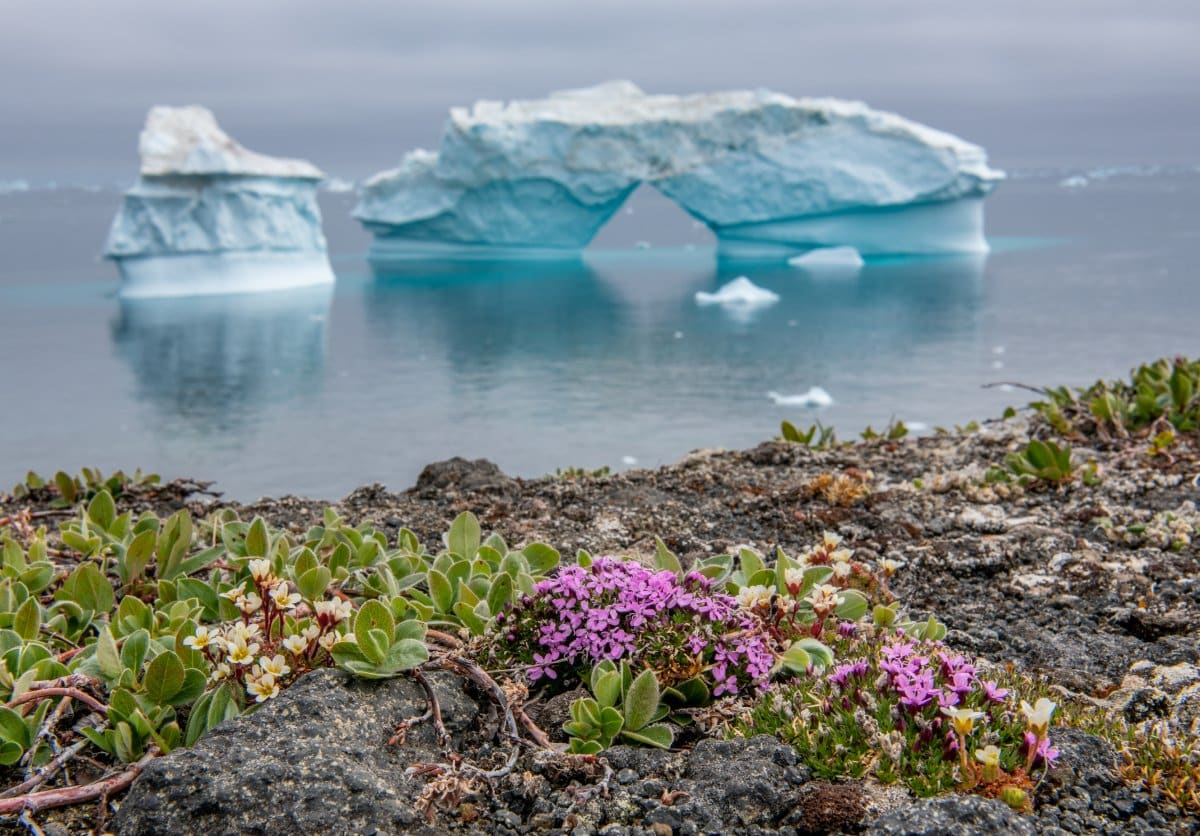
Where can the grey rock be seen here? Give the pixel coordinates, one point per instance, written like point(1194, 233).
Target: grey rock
point(313, 760)
point(459, 474)
point(955, 815)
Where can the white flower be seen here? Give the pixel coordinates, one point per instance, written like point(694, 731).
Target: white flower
point(310, 632)
point(295, 644)
point(824, 599)
point(248, 603)
point(333, 611)
point(1037, 716)
point(794, 577)
point(988, 755)
point(202, 639)
point(841, 570)
point(241, 653)
point(889, 566)
point(263, 688)
point(751, 596)
point(220, 672)
point(242, 632)
point(342, 609)
point(963, 719)
point(233, 594)
point(840, 556)
point(328, 640)
point(260, 570)
point(276, 667)
point(283, 598)
point(831, 540)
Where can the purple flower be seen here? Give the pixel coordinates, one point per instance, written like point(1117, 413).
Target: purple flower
point(992, 693)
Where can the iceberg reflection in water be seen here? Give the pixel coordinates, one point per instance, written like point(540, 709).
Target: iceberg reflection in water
point(210, 364)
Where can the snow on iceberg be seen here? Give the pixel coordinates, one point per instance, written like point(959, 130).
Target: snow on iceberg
point(829, 259)
point(209, 216)
point(739, 293)
point(814, 398)
point(772, 176)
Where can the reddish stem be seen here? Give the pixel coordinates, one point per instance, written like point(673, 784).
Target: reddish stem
point(37, 801)
point(46, 693)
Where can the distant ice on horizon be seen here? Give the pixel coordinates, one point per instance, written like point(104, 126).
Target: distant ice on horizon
point(814, 398)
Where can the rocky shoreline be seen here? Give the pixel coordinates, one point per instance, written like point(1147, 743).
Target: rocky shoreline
point(1093, 586)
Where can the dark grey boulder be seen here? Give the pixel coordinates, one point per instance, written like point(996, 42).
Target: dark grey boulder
point(313, 760)
point(459, 474)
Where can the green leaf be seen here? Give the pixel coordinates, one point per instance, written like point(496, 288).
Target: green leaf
point(10, 753)
point(102, 510)
point(27, 621)
point(165, 677)
point(466, 614)
point(659, 736)
point(66, 487)
point(641, 700)
point(257, 538)
point(194, 682)
point(441, 591)
point(313, 583)
point(606, 685)
point(133, 652)
point(853, 606)
point(197, 723)
point(137, 556)
point(500, 594)
point(14, 728)
point(611, 723)
point(108, 657)
point(406, 654)
point(796, 659)
point(820, 656)
point(664, 559)
point(374, 644)
point(584, 747)
point(464, 534)
point(374, 615)
point(541, 558)
point(88, 588)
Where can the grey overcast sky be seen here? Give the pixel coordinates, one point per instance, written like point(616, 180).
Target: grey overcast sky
point(352, 84)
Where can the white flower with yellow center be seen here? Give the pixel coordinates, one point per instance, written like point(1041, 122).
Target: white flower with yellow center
point(793, 577)
point(889, 566)
point(310, 632)
point(220, 672)
point(831, 540)
point(260, 570)
point(276, 667)
point(963, 719)
point(240, 631)
point(840, 556)
point(295, 644)
point(342, 609)
point(202, 639)
point(841, 570)
point(824, 599)
point(241, 653)
point(988, 755)
point(752, 596)
point(262, 688)
point(233, 594)
point(248, 603)
point(328, 640)
point(1037, 716)
point(283, 598)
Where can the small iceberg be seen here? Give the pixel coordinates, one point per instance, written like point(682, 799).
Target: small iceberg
point(814, 398)
point(829, 260)
point(739, 293)
point(1077, 181)
point(207, 216)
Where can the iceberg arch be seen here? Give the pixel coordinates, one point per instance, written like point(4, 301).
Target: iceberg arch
point(209, 216)
point(771, 176)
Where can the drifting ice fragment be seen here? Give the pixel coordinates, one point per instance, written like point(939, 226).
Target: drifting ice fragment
point(1077, 181)
point(829, 259)
point(208, 216)
point(739, 293)
point(814, 398)
point(629, 460)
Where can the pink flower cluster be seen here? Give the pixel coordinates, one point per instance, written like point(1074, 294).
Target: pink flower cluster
point(620, 610)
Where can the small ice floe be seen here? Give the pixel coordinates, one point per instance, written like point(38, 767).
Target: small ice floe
point(829, 259)
point(916, 426)
point(1006, 387)
point(997, 364)
point(628, 210)
point(814, 398)
point(337, 185)
point(642, 245)
point(1077, 181)
point(997, 349)
point(13, 186)
point(739, 293)
point(678, 335)
point(629, 460)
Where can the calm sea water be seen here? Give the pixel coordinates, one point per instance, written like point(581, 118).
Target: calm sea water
point(606, 362)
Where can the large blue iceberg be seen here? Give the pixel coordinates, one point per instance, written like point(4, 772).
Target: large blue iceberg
point(770, 175)
point(208, 216)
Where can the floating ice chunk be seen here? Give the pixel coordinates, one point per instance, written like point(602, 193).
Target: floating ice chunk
point(916, 426)
point(642, 245)
point(814, 398)
point(1077, 181)
point(998, 349)
point(739, 293)
point(829, 259)
point(628, 460)
point(337, 185)
point(13, 186)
